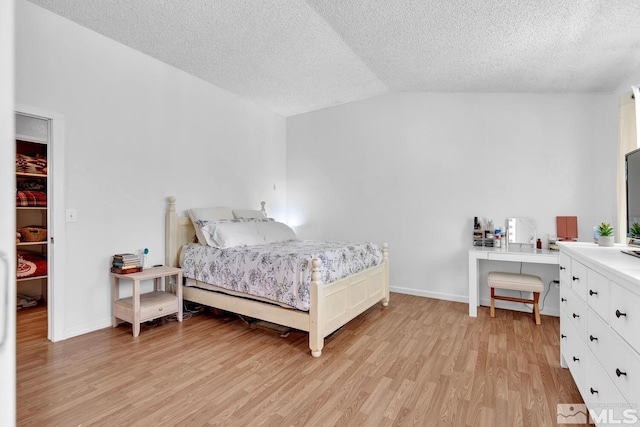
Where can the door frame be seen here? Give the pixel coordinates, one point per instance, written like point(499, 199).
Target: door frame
point(56, 219)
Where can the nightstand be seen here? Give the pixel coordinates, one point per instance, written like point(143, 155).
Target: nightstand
point(150, 305)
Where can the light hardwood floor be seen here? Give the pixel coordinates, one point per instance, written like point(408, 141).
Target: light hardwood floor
point(418, 361)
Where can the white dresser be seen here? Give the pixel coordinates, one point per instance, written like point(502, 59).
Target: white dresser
point(600, 329)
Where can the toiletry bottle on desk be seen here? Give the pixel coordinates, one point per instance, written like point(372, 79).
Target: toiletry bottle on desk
point(539, 244)
point(145, 258)
point(496, 238)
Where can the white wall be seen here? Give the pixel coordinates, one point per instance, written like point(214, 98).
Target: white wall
point(137, 131)
point(413, 169)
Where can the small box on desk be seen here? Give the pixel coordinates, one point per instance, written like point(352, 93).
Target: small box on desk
point(126, 270)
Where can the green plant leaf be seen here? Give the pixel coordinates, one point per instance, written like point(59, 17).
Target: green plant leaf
point(605, 229)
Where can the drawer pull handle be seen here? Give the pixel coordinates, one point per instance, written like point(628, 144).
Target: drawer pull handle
point(575, 316)
point(592, 338)
point(563, 336)
point(562, 268)
point(575, 278)
point(575, 359)
point(619, 313)
point(592, 292)
point(619, 372)
point(593, 391)
point(563, 299)
point(160, 309)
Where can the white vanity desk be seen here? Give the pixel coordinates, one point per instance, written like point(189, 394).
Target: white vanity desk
point(513, 253)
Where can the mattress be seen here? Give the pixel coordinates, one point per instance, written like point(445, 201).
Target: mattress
point(279, 272)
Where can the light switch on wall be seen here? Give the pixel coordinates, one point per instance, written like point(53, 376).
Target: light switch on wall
point(72, 215)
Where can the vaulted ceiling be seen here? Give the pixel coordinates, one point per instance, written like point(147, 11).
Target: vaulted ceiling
point(295, 56)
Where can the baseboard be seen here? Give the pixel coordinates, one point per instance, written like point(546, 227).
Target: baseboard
point(85, 329)
point(461, 298)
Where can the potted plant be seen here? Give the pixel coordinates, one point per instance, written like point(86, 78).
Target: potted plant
point(634, 231)
point(605, 234)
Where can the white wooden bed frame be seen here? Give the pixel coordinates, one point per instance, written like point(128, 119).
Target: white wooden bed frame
point(331, 305)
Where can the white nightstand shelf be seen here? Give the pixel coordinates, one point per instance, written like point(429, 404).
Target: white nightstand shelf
point(139, 307)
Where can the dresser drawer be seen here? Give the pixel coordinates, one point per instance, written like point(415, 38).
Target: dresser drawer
point(600, 339)
point(565, 296)
point(579, 279)
point(598, 293)
point(567, 335)
point(157, 304)
point(574, 351)
point(624, 314)
point(564, 265)
point(576, 311)
point(618, 360)
point(606, 405)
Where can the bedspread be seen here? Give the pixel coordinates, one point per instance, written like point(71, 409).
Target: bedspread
point(278, 271)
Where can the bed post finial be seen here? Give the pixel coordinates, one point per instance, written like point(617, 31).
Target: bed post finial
point(172, 204)
point(262, 208)
point(315, 269)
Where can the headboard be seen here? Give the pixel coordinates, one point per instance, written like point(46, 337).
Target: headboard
point(179, 231)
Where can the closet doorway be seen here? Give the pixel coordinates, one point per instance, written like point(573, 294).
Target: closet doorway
point(39, 230)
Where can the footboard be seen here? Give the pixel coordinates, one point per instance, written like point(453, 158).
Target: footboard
point(339, 302)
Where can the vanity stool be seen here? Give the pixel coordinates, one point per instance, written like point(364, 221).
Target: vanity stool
point(516, 282)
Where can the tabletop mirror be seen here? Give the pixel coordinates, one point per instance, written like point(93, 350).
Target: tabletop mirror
point(521, 230)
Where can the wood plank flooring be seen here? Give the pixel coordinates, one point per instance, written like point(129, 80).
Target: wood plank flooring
point(417, 362)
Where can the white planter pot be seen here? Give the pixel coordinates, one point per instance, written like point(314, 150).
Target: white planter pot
point(605, 240)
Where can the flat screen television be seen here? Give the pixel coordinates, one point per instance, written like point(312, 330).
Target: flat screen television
point(632, 167)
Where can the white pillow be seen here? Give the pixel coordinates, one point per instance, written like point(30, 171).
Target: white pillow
point(228, 234)
point(201, 216)
point(248, 213)
point(273, 231)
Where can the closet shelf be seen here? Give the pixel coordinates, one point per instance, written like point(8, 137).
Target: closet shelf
point(31, 175)
point(44, 242)
point(26, 279)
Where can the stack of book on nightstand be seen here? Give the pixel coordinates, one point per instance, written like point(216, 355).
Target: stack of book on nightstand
point(125, 263)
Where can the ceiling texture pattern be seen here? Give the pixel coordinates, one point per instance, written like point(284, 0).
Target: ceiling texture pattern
point(296, 56)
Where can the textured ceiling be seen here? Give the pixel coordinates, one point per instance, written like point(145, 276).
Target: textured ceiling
point(295, 56)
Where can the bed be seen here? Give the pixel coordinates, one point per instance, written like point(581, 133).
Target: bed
point(330, 305)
